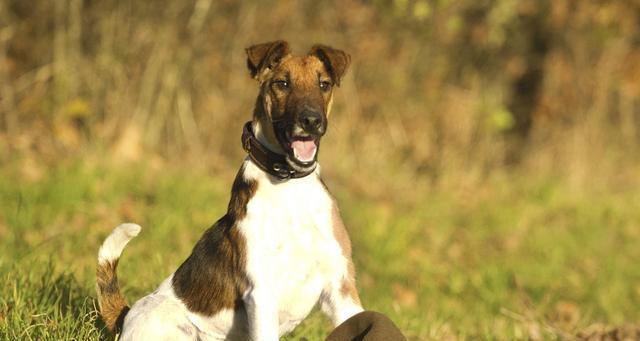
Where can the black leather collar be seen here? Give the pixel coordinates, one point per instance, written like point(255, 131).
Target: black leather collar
point(270, 162)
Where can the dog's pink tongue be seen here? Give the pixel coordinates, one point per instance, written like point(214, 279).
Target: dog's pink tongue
point(304, 150)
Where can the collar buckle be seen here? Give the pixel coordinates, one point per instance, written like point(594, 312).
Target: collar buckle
point(281, 171)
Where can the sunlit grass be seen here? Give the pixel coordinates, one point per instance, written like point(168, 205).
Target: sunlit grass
point(514, 258)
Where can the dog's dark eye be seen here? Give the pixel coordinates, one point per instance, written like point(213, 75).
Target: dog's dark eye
point(281, 84)
point(325, 86)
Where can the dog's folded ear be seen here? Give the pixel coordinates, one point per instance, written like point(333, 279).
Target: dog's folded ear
point(335, 61)
point(267, 55)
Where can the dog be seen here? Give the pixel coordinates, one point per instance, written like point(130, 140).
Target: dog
point(280, 249)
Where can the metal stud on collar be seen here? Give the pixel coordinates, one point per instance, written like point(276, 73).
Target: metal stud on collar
point(282, 171)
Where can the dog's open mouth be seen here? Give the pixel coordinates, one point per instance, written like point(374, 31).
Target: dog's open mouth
point(300, 146)
point(304, 148)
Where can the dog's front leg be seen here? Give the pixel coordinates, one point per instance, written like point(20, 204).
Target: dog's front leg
point(262, 313)
point(338, 303)
point(340, 299)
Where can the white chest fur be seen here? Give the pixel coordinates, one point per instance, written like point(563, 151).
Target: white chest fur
point(291, 248)
point(292, 260)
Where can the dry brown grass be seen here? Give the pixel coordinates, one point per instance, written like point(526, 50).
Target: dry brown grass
point(444, 92)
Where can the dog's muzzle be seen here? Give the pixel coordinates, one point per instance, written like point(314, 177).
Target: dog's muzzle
point(279, 165)
point(312, 123)
point(300, 139)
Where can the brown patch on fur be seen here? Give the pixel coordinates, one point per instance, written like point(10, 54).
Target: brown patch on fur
point(113, 306)
point(213, 277)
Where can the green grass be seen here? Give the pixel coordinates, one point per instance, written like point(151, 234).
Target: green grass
point(512, 258)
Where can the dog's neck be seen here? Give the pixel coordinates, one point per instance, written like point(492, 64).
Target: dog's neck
point(263, 128)
point(260, 135)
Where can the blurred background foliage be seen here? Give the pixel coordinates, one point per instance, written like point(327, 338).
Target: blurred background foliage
point(485, 152)
point(437, 89)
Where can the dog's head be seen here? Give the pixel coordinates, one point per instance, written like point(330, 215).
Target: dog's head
point(295, 95)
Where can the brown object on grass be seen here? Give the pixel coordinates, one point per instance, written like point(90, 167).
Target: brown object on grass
point(367, 326)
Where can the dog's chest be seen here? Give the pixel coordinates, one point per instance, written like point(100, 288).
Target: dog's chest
point(291, 248)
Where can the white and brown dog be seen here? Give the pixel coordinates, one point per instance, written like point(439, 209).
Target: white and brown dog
point(280, 249)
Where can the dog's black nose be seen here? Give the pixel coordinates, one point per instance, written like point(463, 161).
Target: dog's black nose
point(311, 122)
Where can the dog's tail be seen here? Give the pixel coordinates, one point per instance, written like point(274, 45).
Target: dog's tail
point(113, 306)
